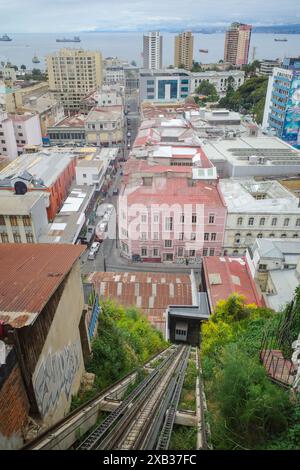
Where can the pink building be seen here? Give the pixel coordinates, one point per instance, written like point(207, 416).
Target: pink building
point(171, 216)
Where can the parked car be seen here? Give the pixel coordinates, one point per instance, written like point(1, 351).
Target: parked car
point(136, 258)
point(95, 247)
point(91, 255)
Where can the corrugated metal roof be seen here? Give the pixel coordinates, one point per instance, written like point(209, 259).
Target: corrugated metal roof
point(29, 275)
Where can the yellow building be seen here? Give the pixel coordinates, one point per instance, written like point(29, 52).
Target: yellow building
point(184, 45)
point(72, 74)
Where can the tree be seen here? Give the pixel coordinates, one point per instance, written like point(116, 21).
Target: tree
point(133, 63)
point(23, 67)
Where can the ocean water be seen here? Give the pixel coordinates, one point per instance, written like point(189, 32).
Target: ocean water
point(129, 46)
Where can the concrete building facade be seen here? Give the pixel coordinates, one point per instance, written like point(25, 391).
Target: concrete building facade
point(237, 43)
point(220, 80)
point(257, 209)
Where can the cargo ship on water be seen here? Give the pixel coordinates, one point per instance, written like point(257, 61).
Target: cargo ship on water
point(280, 40)
point(5, 37)
point(74, 39)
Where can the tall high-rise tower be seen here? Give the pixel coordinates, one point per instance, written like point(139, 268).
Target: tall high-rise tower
point(183, 52)
point(237, 42)
point(152, 50)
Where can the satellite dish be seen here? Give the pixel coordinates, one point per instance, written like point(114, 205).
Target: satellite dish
point(20, 188)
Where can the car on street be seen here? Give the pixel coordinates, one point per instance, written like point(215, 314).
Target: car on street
point(91, 255)
point(95, 247)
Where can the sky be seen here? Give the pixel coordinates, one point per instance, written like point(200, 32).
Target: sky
point(29, 16)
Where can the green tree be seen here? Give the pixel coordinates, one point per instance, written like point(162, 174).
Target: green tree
point(23, 67)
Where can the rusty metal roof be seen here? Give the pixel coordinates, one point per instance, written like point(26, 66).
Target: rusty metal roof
point(151, 292)
point(29, 275)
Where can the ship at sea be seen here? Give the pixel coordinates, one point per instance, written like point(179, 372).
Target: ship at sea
point(75, 39)
point(5, 38)
point(203, 50)
point(280, 40)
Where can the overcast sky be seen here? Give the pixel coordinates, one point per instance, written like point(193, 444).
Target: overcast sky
point(77, 15)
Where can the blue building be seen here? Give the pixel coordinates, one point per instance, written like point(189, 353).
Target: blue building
point(166, 85)
point(282, 108)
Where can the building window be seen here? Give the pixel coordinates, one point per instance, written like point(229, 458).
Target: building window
point(17, 238)
point(206, 236)
point(211, 252)
point(237, 238)
point(4, 237)
point(144, 236)
point(143, 251)
point(262, 221)
point(211, 219)
point(213, 237)
point(155, 252)
point(192, 253)
point(13, 221)
point(274, 221)
point(155, 235)
point(29, 238)
point(2, 220)
point(259, 235)
point(251, 221)
point(239, 220)
point(286, 222)
point(283, 235)
point(168, 243)
point(182, 219)
point(262, 267)
point(155, 218)
point(169, 223)
point(205, 251)
point(144, 218)
point(194, 218)
point(298, 223)
point(26, 221)
point(181, 236)
point(193, 236)
point(271, 235)
point(295, 235)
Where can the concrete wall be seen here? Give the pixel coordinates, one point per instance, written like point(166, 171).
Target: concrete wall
point(60, 366)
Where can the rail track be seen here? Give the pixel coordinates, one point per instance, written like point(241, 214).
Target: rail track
point(141, 414)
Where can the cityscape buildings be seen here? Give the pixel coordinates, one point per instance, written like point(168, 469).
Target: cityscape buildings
point(164, 84)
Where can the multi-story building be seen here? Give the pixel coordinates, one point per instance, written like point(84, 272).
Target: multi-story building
point(49, 110)
point(8, 144)
point(275, 267)
point(152, 50)
point(48, 172)
point(104, 126)
point(281, 113)
point(263, 209)
point(70, 130)
point(44, 331)
point(114, 75)
point(108, 95)
point(267, 66)
point(220, 80)
point(27, 130)
point(237, 43)
point(166, 84)
point(183, 50)
point(72, 74)
point(23, 217)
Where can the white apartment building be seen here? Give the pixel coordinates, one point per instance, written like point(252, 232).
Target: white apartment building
point(152, 50)
point(219, 79)
point(257, 210)
point(8, 145)
point(90, 172)
point(114, 75)
point(27, 130)
point(104, 126)
point(72, 74)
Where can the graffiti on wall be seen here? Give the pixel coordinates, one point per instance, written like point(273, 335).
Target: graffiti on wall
point(56, 375)
point(291, 128)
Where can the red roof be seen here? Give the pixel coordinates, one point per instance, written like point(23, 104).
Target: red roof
point(173, 189)
point(29, 276)
point(225, 276)
point(151, 292)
